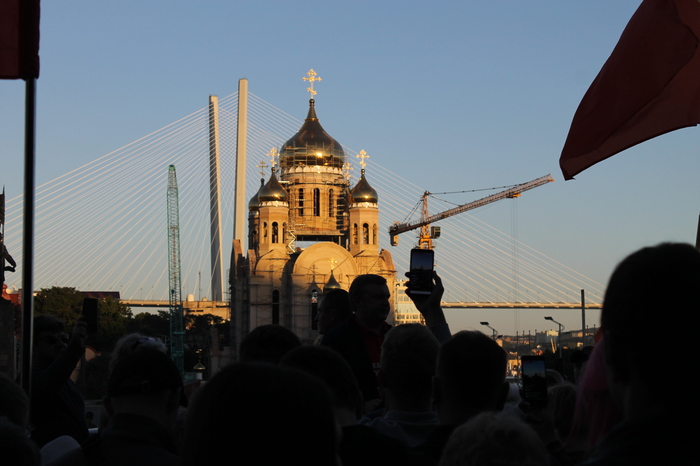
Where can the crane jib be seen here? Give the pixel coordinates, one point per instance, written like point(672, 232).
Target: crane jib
point(399, 228)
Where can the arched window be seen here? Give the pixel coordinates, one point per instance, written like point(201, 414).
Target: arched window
point(301, 202)
point(275, 307)
point(374, 233)
point(275, 233)
point(365, 233)
point(284, 232)
point(317, 202)
point(354, 234)
point(331, 204)
point(265, 232)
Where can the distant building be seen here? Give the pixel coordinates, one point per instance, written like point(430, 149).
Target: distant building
point(406, 312)
point(308, 230)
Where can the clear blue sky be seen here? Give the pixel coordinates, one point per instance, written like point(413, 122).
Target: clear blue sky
point(452, 95)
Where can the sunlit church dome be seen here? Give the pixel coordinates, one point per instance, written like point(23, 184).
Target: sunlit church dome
point(272, 191)
point(363, 192)
point(311, 146)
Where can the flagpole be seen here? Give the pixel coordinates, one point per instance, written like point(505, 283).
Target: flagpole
point(28, 233)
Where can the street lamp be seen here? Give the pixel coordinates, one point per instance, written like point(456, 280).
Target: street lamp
point(495, 333)
point(561, 328)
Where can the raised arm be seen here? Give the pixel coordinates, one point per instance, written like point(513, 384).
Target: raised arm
point(431, 308)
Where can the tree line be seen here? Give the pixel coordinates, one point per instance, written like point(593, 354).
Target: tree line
point(116, 319)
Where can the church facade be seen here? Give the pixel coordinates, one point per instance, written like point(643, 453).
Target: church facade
point(309, 230)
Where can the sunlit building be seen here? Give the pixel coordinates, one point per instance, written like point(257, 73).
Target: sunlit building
point(309, 229)
point(406, 312)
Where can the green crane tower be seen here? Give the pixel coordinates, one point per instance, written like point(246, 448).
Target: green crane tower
point(177, 331)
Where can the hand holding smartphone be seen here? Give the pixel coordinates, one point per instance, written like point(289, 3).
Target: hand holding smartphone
point(420, 275)
point(534, 377)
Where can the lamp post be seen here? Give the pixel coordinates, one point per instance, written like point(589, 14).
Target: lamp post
point(495, 333)
point(561, 328)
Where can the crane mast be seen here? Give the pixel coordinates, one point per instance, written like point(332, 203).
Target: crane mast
point(177, 331)
point(427, 233)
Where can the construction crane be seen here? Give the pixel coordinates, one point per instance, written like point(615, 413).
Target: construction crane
point(428, 233)
point(177, 331)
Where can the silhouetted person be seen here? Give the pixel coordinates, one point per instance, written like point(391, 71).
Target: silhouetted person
point(596, 413)
point(15, 448)
point(566, 446)
point(261, 414)
point(143, 393)
point(469, 379)
point(359, 340)
point(5, 256)
point(57, 405)
point(660, 415)
point(407, 367)
point(333, 310)
point(268, 343)
point(133, 342)
point(494, 439)
point(359, 445)
point(14, 403)
point(578, 360)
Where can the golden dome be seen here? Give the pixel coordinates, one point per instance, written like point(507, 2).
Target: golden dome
point(272, 191)
point(311, 146)
point(363, 192)
point(332, 284)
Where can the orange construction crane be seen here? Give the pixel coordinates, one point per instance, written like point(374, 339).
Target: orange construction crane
point(428, 233)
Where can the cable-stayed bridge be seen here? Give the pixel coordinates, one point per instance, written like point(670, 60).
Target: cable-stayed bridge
point(103, 226)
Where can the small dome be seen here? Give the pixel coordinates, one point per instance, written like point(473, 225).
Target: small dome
point(254, 202)
point(272, 191)
point(363, 192)
point(332, 284)
point(311, 146)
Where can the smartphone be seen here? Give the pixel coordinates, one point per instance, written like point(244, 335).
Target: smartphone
point(420, 276)
point(90, 313)
point(534, 379)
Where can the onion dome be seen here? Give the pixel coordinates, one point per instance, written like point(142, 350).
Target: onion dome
point(272, 191)
point(363, 192)
point(332, 284)
point(254, 202)
point(311, 146)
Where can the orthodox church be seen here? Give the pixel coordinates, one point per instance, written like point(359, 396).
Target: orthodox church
point(309, 231)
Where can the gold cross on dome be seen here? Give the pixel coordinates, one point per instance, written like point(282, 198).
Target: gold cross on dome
point(362, 156)
point(333, 263)
point(312, 76)
point(273, 157)
point(262, 165)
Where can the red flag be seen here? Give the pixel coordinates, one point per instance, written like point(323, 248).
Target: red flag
point(19, 39)
point(649, 86)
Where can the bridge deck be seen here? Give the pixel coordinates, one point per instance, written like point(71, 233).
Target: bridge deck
point(515, 305)
point(456, 305)
point(166, 304)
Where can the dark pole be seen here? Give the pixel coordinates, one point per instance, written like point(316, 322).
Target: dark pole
point(583, 317)
point(28, 233)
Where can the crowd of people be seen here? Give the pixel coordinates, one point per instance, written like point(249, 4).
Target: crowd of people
point(372, 394)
